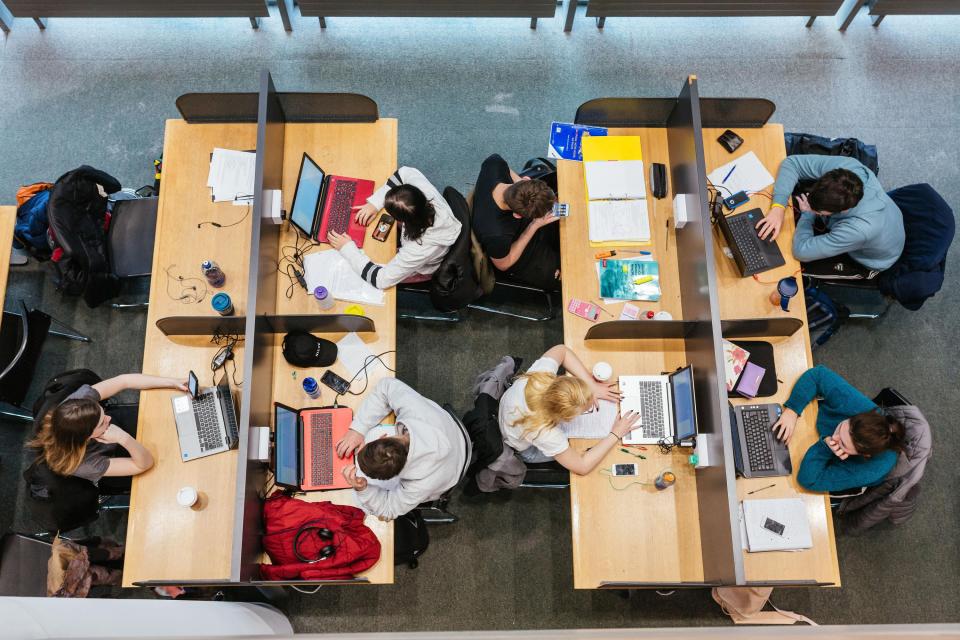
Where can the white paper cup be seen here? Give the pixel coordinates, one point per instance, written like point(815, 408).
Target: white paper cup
point(602, 371)
point(187, 496)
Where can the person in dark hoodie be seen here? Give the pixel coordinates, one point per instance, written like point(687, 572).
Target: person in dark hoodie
point(860, 220)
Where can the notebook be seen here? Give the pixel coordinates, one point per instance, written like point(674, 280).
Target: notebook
point(734, 360)
point(617, 220)
point(593, 425)
point(565, 139)
point(616, 191)
point(629, 279)
point(787, 527)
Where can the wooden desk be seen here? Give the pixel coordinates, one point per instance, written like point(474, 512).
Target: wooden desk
point(748, 298)
point(362, 151)
point(8, 217)
point(164, 540)
point(608, 545)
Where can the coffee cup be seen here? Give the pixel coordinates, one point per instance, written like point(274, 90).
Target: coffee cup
point(187, 496)
point(602, 371)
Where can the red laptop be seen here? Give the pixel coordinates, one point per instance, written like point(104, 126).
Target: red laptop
point(320, 430)
point(337, 212)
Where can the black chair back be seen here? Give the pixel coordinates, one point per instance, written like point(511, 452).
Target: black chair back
point(21, 339)
point(23, 566)
point(133, 227)
point(60, 503)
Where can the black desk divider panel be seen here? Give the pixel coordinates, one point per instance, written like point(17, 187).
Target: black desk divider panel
point(429, 8)
point(640, 330)
point(710, 8)
point(760, 328)
point(328, 107)
point(654, 112)
point(198, 108)
point(138, 8)
point(322, 323)
point(201, 325)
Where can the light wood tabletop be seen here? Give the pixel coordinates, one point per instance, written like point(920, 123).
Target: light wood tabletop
point(8, 217)
point(749, 298)
point(606, 522)
point(166, 541)
point(336, 148)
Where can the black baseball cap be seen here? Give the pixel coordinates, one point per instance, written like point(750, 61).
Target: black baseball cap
point(303, 349)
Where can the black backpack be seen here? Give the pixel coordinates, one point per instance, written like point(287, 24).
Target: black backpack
point(541, 169)
point(809, 144)
point(77, 214)
point(58, 388)
point(454, 284)
point(410, 539)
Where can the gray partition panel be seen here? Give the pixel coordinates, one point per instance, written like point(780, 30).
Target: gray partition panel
point(429, 8)
point(328, 107)
point(640, 330)
point(138, 8)
point(322, 323)
point(201, 325)
point(654, 112)
point(760, 327)
point(722, 560)
point(257, 404)
point(199, 108)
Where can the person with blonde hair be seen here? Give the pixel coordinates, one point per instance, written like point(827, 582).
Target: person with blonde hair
point(76, 438)
point(539, 400)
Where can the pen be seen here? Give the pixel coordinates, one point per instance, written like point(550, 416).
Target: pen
point(729, 173)
point(760, 489)
point(599, 306)
point(641, 253)
point(636, 455)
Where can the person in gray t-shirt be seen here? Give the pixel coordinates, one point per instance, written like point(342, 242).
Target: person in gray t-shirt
point(77, 438)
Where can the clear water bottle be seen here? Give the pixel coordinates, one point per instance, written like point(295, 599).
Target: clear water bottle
point(213, 273)
point(324, 300)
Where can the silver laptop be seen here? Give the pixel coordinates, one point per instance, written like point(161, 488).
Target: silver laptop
point(666, 404)
point(206, 420)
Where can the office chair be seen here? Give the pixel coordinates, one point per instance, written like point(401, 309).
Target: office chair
point(130, 240)
point(435, 511)
point(21, 339)
point(546, 475)
point(23, 565)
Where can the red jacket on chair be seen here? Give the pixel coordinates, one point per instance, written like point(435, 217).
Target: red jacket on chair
point(294, 527)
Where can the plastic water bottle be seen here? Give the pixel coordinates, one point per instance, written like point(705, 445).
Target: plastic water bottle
point(311, 388)
point(324, 300)
point(664, 480)
point(222, 304)
point(214, 274)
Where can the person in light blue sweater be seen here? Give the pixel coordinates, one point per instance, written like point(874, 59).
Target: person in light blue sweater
point(858, 444)
point(861, 219)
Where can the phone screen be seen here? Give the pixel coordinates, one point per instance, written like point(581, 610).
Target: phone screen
point(625, 469)
point(193, 385)
point(335, 382)
point(773, 526)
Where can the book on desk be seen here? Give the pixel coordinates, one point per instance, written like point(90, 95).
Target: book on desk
point(616, 191)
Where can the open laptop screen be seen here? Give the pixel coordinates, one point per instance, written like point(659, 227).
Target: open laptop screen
point(307, 196)
point(286, 439)
point(684, 406)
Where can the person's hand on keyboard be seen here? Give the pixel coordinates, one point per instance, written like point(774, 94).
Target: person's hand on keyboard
point(769, 227)
point(785, 425)
point(625, 424)
point(365, 213)
point(349, 443)
point(337, 240)
point(350, 474)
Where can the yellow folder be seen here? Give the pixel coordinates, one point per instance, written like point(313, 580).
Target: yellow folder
point(599, 148)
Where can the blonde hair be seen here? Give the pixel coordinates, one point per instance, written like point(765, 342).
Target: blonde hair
point(64, 433)
point(552, 399)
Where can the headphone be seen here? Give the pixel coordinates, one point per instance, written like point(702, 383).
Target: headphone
point(325, 552)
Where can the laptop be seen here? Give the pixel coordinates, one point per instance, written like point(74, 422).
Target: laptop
point(766, 456)
point(323, 202)
point(751, 254)
point(207, 420)
point(666, 404)
point(304, 457)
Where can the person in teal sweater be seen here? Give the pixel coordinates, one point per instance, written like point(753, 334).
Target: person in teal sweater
point(858, 444)
point(861, 219)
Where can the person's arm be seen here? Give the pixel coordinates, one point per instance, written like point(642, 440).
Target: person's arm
point(389, 505)
point(383, 276)
point(520, 244)
point(805, 167)
point(569, 361)
point(583, 463)
point(842, 238)
point(835, 392)
point(822, 470)
point(139, 461)
point(112, 386)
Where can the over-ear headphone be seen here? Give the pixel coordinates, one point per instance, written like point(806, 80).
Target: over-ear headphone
point(325, 552)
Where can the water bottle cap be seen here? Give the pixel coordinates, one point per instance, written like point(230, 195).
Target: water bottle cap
point(321, 293)
point(220, 301)
point(309, 384)
point(206, 264)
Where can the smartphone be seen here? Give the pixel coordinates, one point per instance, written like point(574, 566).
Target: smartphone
point(193, 385)
point(735, 200)
point(773, 526)
point(560, 210)
point(383, 228)
point(625, 469)
point(335, 382)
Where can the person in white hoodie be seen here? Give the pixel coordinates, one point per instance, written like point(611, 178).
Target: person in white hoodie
point(428, 229)
point(428, 455)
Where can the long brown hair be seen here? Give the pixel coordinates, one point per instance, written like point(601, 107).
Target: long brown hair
point(64, 433)
point(874, 433)
point(410, 205)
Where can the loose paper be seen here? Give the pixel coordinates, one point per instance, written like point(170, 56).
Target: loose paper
point(329, 269)
point(749, 175)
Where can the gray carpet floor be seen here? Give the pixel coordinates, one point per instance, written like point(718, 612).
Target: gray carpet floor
point(98, 92)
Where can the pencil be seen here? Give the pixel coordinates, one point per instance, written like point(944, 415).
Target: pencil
point(600, 306)
point(761, 489)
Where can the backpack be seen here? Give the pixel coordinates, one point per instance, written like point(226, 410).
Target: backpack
point(410, 539)
point(77, 213)
point(30, 230)
point(454, 284)
point(822, 311)
point(58, 388)
point(60, 503)
point(540, 169)
point(809, 144)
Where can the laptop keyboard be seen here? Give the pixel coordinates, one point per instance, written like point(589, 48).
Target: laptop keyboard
point(651, 411)
point(208, 426)
point(321, 449)
point(341, 207)
point(756, 431)
point(746, 240)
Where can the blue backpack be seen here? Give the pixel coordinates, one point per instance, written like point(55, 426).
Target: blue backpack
point(30, 230)
point(822, 312)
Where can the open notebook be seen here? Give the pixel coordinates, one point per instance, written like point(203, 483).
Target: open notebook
point(616, 190)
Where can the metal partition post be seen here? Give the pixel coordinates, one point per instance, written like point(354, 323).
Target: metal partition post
point(255, 407)
point(722, 561)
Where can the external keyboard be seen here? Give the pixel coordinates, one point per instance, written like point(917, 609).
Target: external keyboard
point(341, 207)
point(321, 449)
point(208, 427)
point(748, 242)
point(756, 432)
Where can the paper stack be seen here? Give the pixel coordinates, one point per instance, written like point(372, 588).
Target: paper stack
point(231, 176)
point(331, 270)
point(775, 525)
point(616, 191)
